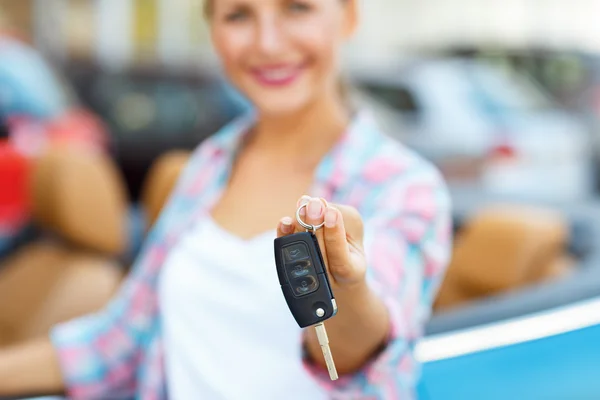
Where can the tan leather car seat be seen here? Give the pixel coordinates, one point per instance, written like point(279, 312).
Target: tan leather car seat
point(160, 181)
point(81, 197)
point(504, 248)
point(78, 197)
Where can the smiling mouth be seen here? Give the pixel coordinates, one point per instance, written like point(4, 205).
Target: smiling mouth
point(277, 76)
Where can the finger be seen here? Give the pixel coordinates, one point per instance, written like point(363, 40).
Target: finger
point(303, 200)
point(334, 236)
point(315, 211)
point(285, 227)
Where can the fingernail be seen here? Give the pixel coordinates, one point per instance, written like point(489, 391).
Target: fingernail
point(330, 217)
point(286, 225)
point(315, 208)
point(304, 199)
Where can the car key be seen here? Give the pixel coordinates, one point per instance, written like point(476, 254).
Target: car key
point(305, 284)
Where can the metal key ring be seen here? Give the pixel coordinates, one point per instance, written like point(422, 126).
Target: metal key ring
point(304, 224)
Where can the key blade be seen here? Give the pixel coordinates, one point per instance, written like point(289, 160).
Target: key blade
point(324, 342)
point(333, 375)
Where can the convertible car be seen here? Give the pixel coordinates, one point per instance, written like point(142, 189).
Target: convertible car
point(533, 341)
point(538, 341)
point(517, 317)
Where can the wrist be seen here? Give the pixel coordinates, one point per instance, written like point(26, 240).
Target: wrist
point(348, 295)
point(358, 307)
point(357, 332)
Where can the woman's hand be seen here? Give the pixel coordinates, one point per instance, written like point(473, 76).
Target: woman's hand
point(341, 240)
point(362, 322)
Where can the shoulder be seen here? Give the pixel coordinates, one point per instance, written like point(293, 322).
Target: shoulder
point(394, 179)
point(393, 163)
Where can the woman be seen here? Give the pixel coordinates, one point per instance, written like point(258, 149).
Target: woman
point(202, 314)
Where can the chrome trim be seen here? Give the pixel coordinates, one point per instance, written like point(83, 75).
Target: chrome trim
point(509, 332)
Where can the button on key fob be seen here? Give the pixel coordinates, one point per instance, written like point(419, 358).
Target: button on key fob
point(304, 279)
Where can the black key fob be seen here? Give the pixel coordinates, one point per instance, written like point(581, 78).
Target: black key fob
point(303, 278)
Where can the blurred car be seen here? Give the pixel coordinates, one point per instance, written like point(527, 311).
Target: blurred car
point(37, 109)
point(151, 111)
point(509, 135)
point(14, 207)
point(28, 84)
point(538, 341)
point(512, 344)
point(551, 354)
point(588, 105)
point(571, 76)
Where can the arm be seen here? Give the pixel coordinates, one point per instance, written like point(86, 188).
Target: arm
point(100, 355)
point(30, 369)
point(78, 356)
point(407, 248)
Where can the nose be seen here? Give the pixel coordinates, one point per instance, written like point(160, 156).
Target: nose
point(270, 35)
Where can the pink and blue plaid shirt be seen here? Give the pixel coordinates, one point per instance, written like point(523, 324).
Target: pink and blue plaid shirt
point(118, 352)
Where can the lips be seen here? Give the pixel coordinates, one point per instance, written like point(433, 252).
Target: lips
point(277, 75)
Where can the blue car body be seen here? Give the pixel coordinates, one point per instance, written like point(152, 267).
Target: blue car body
point(559, 366)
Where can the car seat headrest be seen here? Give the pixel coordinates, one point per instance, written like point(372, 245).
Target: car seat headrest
point(502, 248)
point(80, 196)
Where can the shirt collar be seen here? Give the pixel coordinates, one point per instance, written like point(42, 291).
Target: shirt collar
point(228, 140)
point(343, 162)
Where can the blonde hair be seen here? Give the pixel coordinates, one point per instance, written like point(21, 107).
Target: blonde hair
point(207, 8)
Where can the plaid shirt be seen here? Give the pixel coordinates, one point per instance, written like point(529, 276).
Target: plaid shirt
point(118, 352)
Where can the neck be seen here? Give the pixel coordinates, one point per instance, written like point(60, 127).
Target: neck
point(307, 134)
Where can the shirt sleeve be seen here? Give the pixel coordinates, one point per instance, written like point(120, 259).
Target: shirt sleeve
point(99, 353)
point(407, 244)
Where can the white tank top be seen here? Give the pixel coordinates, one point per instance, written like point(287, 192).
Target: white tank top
point(228, 333)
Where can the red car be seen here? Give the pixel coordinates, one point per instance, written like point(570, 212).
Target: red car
point(36, 110)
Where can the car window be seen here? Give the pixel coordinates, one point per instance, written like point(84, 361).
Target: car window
point(166, 106)
point(446, 98)
point(399, 98)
